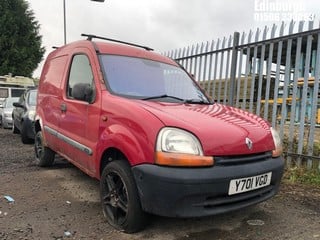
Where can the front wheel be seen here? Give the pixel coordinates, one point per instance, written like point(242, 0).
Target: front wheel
point(119, 197)
point(44, 155)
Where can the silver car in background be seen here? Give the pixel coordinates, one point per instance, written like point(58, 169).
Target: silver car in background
point(6, 112)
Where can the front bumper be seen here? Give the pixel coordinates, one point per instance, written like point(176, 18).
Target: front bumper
point(196, 192)
point(7, 122)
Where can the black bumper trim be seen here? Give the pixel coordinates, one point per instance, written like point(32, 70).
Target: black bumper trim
point(196, 192)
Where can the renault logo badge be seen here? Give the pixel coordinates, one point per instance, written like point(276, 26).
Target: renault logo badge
point(249, 143)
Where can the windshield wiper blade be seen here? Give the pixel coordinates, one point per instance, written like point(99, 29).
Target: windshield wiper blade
point(196, 101)
point(163, 96)
point(190, 101)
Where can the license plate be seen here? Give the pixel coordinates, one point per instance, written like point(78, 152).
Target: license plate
point(249, 183)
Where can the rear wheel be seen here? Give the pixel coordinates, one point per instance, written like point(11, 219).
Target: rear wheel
point(44, 155)
point(119, 197)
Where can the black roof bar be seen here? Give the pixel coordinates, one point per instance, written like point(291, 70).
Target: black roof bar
point(90, 37)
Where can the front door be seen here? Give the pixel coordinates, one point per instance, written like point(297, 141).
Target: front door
point(76, 107)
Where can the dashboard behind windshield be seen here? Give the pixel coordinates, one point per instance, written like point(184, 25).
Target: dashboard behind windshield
point(143, 78)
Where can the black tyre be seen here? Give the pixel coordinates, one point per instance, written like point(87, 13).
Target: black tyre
point(119, 197)
point(15, 130)
point(44, 155)
point(24, 135)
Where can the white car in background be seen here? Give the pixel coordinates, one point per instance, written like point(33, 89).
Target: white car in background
point(6, 112)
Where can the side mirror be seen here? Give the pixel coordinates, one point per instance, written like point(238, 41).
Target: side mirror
point(17, 104)
point(82, 92)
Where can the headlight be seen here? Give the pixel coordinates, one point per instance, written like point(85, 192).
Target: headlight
point(175, 140)
point(176, 147)
point(277, 143)
point(31, 114)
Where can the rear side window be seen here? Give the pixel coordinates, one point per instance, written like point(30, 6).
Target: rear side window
point(80, 73)
point(4, 92)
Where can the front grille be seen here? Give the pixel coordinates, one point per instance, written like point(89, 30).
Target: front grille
point(235, 160)
point(230, 201)
point(244, 197)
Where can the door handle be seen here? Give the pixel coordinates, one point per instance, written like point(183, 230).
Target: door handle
point(63, 107)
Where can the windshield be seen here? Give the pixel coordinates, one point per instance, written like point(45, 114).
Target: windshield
point(32, 98)
point(146, 79)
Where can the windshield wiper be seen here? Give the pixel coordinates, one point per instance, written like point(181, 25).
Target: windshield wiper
point(163, 96)
point(189, 101)
point(196, 101)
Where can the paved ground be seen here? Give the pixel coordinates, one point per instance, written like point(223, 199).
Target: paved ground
point(52, 203)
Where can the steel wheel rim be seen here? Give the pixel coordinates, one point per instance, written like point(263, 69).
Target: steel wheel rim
point(115, 198)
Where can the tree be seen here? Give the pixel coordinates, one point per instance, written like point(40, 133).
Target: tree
point(20, 41)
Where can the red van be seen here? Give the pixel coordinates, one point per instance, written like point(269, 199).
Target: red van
point(140, 124)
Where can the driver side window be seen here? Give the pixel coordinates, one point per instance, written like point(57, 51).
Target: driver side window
point(80, 82)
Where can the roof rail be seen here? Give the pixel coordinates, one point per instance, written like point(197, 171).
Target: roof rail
point(90, 37)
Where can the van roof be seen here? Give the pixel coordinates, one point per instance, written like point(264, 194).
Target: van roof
point(114, 49)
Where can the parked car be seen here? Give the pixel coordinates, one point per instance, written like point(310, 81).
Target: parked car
point(23, 115)
point(6, 112)
point(138, 122)
point(1, 109)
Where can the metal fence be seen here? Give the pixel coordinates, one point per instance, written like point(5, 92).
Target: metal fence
point(268, 73)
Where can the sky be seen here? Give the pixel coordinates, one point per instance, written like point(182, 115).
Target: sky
point(162, 24)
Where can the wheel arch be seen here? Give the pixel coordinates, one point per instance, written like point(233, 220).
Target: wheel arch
point(109, 155)
point(37, 126)
point(119, 142)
